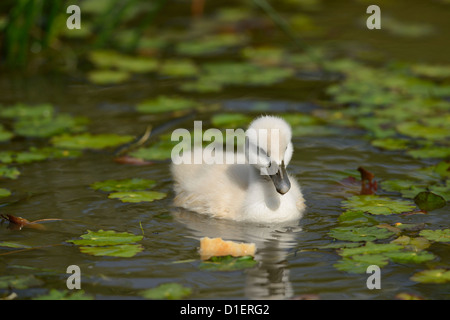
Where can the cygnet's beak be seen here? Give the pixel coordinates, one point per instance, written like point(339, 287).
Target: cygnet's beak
point(281, 180)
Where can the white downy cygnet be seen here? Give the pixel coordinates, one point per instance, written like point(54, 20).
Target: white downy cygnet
point(260, 190)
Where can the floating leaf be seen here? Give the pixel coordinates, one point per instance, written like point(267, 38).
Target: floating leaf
point(351, 233)
point(126, 63)
point(432, 276)
point(377, 205)
point(210, 44)
point(19, 282)
point(138, 196)
point(43, 127)
point(436, 235)
point(64, 295)
point(410, 257)
point(412, 244)
point(21, 111)
point(350, 217)
point(9, 172)
point(123, 185)
point(89, 141)
point(432, 71)
point(390, 144)
point(228, 263)
point(108, 76)
point(109, 243)
point(106, 238)
point(430, 152)
point(360, 263)
point(170, 291)
point(4, 134)
point(4, 193)
point(428, 201)
point(178, 68)
point(165, 104)
point(416, 130)
point(123, 250)
point(230, 120)
point(159, 151)
point(370, 248)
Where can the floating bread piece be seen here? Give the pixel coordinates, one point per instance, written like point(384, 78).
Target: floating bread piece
point(217, 247)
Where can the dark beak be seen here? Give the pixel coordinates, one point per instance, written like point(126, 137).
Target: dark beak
point(280, 180)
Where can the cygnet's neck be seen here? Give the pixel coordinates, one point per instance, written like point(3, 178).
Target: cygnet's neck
point(262, 191)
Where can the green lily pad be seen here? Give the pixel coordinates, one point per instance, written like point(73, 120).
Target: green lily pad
point(416, 130)
point(351, 233)
point(103, 77)
point(230, 120)
point(123, 185)
point(360, 263)
point(13, 245)
point(159, 151)
point(428, 201)
point(432, 276)
point(126, 63)
point(106, 238)
point(4, 193)
point(228, 263)
point(350, 217)
point(4, 134)
point(65, 295)
point(89, 141)
point(165, 104)
point(9, 172)
point(178, 68)
point(370, 248)
point(43, 127)
point(138, 196)
point(412, 244)
point(436, 235)
point(410, 257)
point(210, 44)
point(35, 154)
point(169, 291)
point(430, 152)
point(432, 71)
point(390, 144)
point(109, 243)
point(21, 111)
point(123, 250)
point(19, 282)
point(377, 205)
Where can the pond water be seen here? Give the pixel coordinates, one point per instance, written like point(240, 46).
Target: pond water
point(290, 259)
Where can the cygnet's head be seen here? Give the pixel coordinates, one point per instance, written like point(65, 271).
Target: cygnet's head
point(269, 149)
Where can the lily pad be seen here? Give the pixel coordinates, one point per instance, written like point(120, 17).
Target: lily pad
point(410, 257)
point(432, 276)
point(103, 77)
point(228, 263)
point(9, 172)
point(20, 111)
point(428, 201)
point(210, 44)
point(230, 120)
point(390, 144)
point(123, 250)
point(360, 263)
point(109, 243)
point(178, 68)
point(65, 295)
point(4, 134)
point(377, 205)
point(430, 152)
point(169, 291)
point(123, 185)
point(106, 238)
point(43, 127)
point(417, 130)
point(351, 233)
point(138, 196)
point(126, 63)
point(165, 104)
point(159, 151)
point(90, 141)
point(4, 193)
point(350, 217)
point(19, 282)
point(436, 235)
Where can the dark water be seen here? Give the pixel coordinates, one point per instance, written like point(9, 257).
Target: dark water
point(289, 263)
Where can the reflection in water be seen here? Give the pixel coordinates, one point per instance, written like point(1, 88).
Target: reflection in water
point(270, 278)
